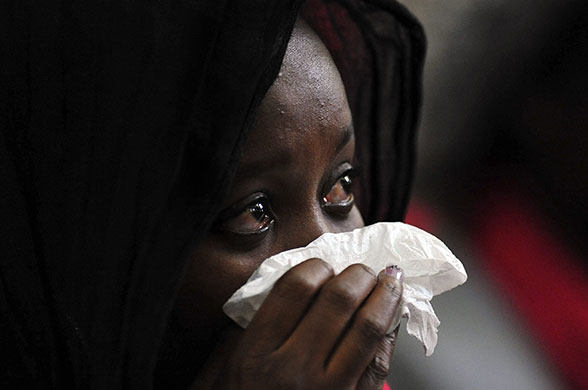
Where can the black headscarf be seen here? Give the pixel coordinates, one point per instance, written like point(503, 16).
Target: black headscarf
point(121, 126)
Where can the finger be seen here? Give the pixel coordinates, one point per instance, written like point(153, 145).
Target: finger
point(329, 315)
point(369, 327)
point(378, 370)
point(285, 305)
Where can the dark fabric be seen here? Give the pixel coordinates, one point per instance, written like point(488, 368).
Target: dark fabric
point(121, 126)
point(379, 48)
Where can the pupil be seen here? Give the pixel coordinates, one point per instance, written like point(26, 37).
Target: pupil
point(257, 211)
point(346, 182)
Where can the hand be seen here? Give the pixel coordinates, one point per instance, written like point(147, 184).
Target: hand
point(316, 330)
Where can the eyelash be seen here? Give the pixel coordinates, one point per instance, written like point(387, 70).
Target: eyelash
point(341, 208)
point(258, 203)
point(233, 219)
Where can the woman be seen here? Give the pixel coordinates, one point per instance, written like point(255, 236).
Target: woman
point(123, 127)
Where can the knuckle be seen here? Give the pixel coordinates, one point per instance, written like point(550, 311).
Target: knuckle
point(340, 295)
point(392, 337)
point(317, 263)
point(379, 367)
point(371, 329)
point(366, 271)
point(294, 285)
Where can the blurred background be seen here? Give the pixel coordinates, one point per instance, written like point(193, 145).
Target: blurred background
point(502, 178)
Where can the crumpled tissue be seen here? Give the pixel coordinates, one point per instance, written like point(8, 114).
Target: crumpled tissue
point(429, 269)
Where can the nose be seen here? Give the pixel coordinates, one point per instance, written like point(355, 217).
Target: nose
point(308, 227)
point(314, 228)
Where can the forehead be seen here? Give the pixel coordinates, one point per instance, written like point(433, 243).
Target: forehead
point(305, 104)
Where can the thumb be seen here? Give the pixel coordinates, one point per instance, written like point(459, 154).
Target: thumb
point(374, 377)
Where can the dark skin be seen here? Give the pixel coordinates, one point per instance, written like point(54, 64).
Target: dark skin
point(293, 183)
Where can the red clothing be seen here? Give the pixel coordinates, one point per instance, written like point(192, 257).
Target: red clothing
point(543, 277)
point(529, 260)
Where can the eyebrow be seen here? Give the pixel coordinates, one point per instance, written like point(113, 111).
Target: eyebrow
point(278, 160)
point(345, 138)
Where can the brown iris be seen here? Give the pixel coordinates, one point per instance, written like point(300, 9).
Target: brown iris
point(255, 217)
point(339, 199)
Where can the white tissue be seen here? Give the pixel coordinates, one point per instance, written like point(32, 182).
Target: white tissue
point(429, 269)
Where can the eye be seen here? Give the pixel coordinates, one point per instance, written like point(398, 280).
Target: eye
point(339, 200)
point(252, 216)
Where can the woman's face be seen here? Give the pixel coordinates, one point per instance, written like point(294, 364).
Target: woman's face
point(293, 183)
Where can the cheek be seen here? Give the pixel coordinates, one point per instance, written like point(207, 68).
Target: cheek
point(215, 272)
point(212, 276)
point(355, 219)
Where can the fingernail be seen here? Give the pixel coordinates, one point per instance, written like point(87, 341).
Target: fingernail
point(395, 271)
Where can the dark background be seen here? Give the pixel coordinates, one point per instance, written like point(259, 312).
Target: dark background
point(503, 179)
